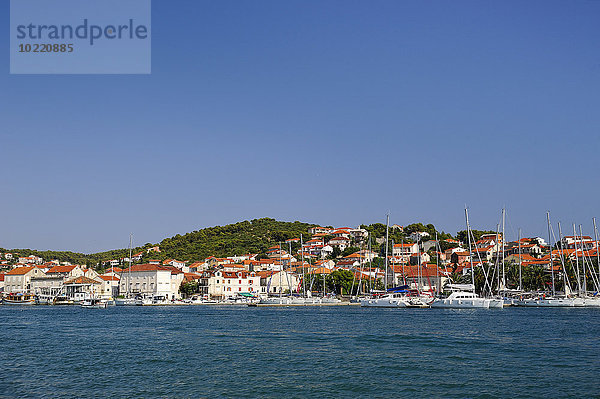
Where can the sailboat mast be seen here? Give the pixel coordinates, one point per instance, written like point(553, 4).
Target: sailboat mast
point(497, 268)
point(503, 240)
point(392, 266)
point(129, 270)
point(562, 260)
point(470, 254)
point(583, 263)
point(521, 264)
point(370, 266)
point(280, 269)
point(437, 264)
point(576, 261)
point(419, 276)
point(387, 226)
point(288, 277)
point(597, 249)
point(550, 245)
point(303, 268)
point(402, 259)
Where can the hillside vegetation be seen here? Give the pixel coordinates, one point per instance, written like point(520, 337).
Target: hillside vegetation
point(254, 236)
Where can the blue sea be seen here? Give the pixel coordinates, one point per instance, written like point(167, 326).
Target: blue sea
point(312, 352)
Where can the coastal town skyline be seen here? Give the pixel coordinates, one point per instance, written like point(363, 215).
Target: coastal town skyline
point(333, 114)
point(512, 231)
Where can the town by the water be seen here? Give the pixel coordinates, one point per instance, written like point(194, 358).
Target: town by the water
point(332, 267)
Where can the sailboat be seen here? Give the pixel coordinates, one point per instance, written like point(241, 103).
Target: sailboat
point(541, 299)
point(398, 297)
point(463, 296)
point(128, 300)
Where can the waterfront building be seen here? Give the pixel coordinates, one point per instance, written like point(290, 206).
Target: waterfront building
point(228, 284)
point(46, 284)
point(82, 287)
point(275, 282)
point(110, 285)
point(66, 272)
point(19, 278)
point(151, 280)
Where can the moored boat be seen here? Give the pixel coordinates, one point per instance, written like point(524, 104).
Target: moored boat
point(19, 298)
point(93, 303)
point(467, 300)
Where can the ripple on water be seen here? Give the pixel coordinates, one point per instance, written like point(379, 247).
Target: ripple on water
point(333, 352)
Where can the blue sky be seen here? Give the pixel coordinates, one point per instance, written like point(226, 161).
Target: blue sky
point(332, 112)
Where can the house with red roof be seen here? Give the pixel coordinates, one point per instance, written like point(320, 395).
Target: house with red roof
point(151, 280)
point(340, 242)
point(274, 282)
point(318, 230)
point(66, 272)
point(223, 284)
point(110, 285)
point(19, 278)
point(176, 263)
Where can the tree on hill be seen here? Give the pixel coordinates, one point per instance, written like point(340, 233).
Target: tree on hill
point(462, 235)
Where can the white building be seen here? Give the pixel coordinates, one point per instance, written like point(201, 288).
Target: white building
point(151, 280)
point(110, 286)
point(404, 250)
point(418, 236)
point(227, 284)
point(19, 279)
point(31, 260)
point(66, 272)
point(274, 282)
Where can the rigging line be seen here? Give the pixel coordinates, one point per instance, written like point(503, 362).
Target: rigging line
point(510, 225)
point(566, 280)
point(480, 262)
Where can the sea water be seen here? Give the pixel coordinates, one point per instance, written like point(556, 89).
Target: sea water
point(297, 352)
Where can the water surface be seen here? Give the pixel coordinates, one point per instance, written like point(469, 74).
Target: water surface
point(317, 352)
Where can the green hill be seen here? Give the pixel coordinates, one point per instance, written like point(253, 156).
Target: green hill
point(253, 236)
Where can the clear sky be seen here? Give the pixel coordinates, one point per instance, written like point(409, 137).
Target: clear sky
point(331, 112)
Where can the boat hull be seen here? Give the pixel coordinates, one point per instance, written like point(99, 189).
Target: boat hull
point(128, 302)
point(16, 302)
point(552, 303)
point(469, 303)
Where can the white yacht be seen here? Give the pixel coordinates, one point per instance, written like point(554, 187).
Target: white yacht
point(393, 300)
point(276, 300)
point(563, 302)
point(93, 303)
point(467, 300)
point(127, 302)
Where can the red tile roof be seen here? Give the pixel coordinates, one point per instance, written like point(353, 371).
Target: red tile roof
point(61, 269)
point(109, 278)
point(82, 280)
point(20, 271)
